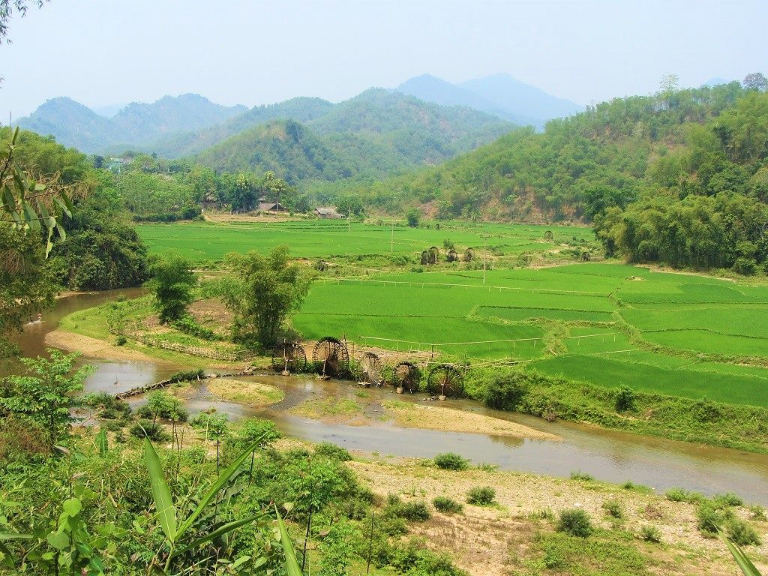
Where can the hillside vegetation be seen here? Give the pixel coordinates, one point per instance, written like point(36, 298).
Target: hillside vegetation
point(677, 177)
point(375, 134)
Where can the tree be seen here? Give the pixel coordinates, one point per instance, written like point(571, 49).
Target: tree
point(171, 284)
point(263, 293)
point(45, 396)
point(6, 11)
point(755, 81)
point(413, 216)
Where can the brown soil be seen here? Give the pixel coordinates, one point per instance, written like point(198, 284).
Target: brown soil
point(492, 541)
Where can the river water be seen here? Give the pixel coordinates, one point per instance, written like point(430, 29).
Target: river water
point(607, 455)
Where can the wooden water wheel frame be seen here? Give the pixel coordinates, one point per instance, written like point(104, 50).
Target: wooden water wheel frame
point(406, 376)
point(331, 357)
point(446, 380)
point(371, 368)
point(290, 357)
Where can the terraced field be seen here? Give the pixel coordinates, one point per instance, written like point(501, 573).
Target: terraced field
point(608, 324)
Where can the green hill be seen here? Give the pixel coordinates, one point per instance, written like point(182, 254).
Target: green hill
point(375, 134)
point(679, 177)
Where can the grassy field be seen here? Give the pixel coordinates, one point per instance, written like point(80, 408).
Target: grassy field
point(204, 241)
point(608, 324)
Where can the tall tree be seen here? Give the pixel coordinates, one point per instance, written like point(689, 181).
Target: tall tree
point(265, 291)
point(755, 81)
point(172, 283)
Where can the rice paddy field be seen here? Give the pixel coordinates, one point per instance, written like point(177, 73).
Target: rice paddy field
point(609, 324)
point(206, 241)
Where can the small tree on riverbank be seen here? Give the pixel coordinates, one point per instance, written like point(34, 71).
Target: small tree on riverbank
point(265, 291)
point(171, 284)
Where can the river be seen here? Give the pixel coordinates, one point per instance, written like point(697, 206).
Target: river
point(605, 454)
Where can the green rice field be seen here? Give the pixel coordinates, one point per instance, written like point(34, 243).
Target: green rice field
point(605, 323)
point(609, 324)
point(204, 241)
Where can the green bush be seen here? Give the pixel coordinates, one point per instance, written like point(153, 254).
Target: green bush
point(650, 534)
point(613, 508)
point(447, 505)
point(149, 429)
point(727, 500)
point(741, 532)
point(682, 495)
point(332, 451)
point(505, 390)
point(575, 522)
point(757, 512)
point(451, 461)
point(481, 496)
point(579, 475)
point(625, 399)
point(413, 511)
point(710, 519)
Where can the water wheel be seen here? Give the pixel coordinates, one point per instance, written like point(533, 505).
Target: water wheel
point(445, 380)
point(371, 367)
point(289, 356)
point(331, 357)
point(406, 376)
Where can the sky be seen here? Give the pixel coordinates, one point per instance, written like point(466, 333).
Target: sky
point(105, 52)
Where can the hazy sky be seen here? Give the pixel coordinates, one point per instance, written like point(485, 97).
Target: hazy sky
point(102, 52)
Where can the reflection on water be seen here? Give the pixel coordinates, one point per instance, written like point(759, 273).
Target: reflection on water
point(608, 455)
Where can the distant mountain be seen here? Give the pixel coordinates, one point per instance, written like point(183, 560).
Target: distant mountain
point(499, 94)
point(146, 122)
point(376, 134)
point(193, 142)
point(73, 124)
point(520, 98)
point(716, 82)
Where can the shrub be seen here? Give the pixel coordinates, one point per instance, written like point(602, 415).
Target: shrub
point(579, 475)
point(757, 512)
point(613, 508)
point(625, 399)
point(650, 534)
point(481, 496)
point(451, 461)
point(505, 391)
point(332, 451)
point(121, 340)
point(575, 522)
point(447, 505)
point(414, 511)
point(682, 495)
point(709, 519)
point(727, 500)
point(149, 429)
point(741, 533)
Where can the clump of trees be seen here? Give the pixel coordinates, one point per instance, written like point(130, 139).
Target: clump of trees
point(262, 294)
point(172, 283)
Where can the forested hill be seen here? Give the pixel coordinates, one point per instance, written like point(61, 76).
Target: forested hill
point(73, 124)
point(194, 142)
point(375, 134)
point(629, 164)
